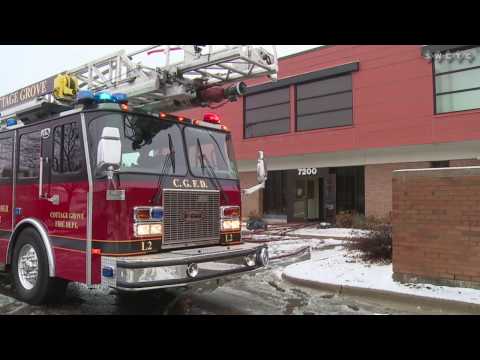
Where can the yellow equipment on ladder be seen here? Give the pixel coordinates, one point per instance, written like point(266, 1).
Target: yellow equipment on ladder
point(65, 87)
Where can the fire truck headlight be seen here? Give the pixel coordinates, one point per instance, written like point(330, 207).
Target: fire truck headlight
point(156, 229)
point(231, 224)
point(152, 229)
point(142, 229)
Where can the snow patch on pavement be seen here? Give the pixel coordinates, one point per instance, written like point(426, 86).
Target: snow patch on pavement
point(270, 237)
point(339, 267)
point(333, 232)
point(277, 248)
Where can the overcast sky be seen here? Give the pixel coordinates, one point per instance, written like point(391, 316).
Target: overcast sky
point(26, 64)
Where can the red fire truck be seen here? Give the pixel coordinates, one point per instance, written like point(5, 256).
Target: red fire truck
point(100, 185)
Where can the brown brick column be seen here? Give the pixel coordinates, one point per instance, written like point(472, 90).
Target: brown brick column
point(378, 186)
point(436, 225)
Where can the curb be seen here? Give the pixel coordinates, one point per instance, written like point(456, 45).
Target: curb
point(414, 300)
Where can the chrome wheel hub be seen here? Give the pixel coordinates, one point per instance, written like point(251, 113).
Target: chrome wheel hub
point(28, 267)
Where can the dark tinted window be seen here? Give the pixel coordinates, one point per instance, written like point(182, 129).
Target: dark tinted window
point(325, 103)
point(29, 156)
point(350, 189)
point(275, 193)
point(6, 152)
point(267, 113)
point(67, 149)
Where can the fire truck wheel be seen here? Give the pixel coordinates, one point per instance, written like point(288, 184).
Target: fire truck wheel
point(30, 271)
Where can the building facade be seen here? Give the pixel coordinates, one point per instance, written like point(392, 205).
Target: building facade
point(341, 118)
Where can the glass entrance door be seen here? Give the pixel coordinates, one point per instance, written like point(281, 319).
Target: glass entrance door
point(299, 206)
point(307, 199)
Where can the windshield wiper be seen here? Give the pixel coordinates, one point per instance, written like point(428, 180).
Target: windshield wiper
point(212, 172)
point(219, 149)
point(165, 167)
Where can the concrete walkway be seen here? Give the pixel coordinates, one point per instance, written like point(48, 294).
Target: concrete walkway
point(338, 271)
point(453, 306)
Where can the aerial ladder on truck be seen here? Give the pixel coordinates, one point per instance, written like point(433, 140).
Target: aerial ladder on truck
point(203, 76)
point(190, 76)
point(200, 78)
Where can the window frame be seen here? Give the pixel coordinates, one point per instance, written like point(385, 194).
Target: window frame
point(94, 115)
point(8, 180)
point(289, 102)
point(187, 155)
point(28, 131)
point(65, 175)
point(434, 77)
point(55, 177)
point(290, 82)
point(321, 96)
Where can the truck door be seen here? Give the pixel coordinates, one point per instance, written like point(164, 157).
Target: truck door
point(29, 151)
point(65, 198)
point(52, 188)
point(6, 191)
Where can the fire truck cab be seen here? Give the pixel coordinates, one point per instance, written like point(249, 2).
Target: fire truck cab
point(103, 195)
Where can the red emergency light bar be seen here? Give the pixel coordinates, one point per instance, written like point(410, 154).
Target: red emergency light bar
point(211, 118)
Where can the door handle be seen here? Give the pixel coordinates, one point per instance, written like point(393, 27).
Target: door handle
point(40, 179)
point(55, 199)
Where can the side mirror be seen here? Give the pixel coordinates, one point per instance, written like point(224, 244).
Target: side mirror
point(261, 168)
point(109, 152)
point(261, 176)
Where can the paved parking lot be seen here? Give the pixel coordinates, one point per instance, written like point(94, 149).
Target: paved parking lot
point(264, 292)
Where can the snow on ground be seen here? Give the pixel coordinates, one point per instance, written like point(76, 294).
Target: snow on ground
point(313, 230)
point(338, 267)
point(281, 247)
point(333, 232)
point(265, 237)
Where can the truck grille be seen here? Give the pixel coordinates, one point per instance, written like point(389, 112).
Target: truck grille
point(190, 217)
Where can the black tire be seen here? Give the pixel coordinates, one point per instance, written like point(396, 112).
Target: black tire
point(46, 289)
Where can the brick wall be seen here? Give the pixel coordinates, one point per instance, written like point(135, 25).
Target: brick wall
point(251, 204)
point(378, 183)
point(378, 186)
point(436, 225)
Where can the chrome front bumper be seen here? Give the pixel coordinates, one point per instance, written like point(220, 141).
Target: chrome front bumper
point(169, 269)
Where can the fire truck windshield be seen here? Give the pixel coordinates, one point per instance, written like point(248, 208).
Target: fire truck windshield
point(145, 142)
point(217, 150)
